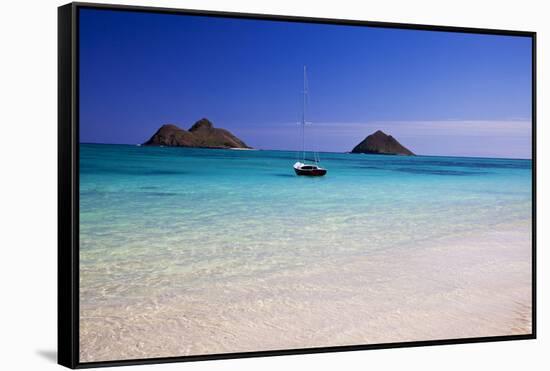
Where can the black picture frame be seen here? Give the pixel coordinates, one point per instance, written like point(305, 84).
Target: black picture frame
point(68, 183)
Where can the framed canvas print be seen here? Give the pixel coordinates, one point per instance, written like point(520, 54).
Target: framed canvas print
point(236, 185)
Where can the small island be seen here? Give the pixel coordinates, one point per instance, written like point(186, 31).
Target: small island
point(202, 134)
point(382, 144)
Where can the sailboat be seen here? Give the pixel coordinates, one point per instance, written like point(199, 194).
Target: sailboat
point(301, 167)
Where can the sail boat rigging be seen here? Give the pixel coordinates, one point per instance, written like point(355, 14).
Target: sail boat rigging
point(302, 167)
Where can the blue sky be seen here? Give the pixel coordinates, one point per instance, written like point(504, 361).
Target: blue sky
point(438, 93)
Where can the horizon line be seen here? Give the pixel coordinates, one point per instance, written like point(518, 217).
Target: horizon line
point(294, 150)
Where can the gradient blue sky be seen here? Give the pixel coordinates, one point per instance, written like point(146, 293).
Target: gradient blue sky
point(438, 93)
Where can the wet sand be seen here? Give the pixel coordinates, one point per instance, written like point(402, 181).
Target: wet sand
point(455, 287)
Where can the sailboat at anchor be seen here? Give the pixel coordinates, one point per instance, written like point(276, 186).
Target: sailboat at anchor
point(302, 167)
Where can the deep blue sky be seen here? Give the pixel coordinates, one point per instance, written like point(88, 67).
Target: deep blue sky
point(436, 92)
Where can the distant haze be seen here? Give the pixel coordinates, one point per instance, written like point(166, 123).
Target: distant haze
point(508, 139)
point(438, 93)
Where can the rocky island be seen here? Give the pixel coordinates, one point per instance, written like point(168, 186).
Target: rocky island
point(382, 144)
point(202, 134)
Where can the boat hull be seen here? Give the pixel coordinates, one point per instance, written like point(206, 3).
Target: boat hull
point(310, 172)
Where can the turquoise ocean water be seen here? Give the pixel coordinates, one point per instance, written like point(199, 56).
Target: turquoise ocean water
point(154, 220)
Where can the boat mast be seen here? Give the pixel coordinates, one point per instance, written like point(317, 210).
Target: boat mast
point(304, 117)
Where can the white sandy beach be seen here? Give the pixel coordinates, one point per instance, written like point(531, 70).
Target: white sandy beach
point(457, 287)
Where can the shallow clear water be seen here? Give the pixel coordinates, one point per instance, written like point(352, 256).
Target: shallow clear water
point(154, 220)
